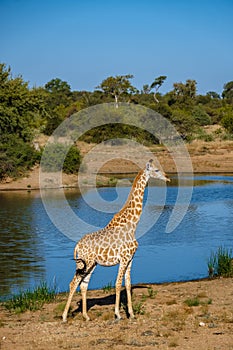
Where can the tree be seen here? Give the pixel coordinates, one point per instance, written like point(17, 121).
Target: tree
point(228, 91)
point(157, 83)
point(58, 86)
point(22, 111)
point(58, 93)
point(59, 98)
point(213, 94)
point(20, 107)
point(118, 85)
point(146, 89)
point(184, 93)
point(187, 90)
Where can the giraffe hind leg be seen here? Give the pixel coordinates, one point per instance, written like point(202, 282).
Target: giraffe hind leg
point(83, 287)
point(81, 277)
point(73, 286)
point(77, 279)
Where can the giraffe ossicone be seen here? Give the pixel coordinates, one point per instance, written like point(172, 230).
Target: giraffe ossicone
point(112, 245)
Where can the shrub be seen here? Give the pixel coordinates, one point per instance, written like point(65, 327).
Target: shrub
point(16, 156)
point(200, 116)
point(183, 121)
point(72, 161)
point(54, 155)
point(202, 135)
point(227, 122)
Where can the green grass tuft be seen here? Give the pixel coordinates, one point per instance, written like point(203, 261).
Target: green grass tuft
point(192, 301)
point(31, 299)
point(108, 287)
point(138, 308)
point(220, 263)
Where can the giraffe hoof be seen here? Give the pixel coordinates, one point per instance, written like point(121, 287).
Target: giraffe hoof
point(117, 318)
point(132, 318)
point(86, 318)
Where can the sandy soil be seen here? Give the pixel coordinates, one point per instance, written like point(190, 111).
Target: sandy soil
point(163, 320)
point(206, 157)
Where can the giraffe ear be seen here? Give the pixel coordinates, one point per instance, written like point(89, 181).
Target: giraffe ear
point(148, 165)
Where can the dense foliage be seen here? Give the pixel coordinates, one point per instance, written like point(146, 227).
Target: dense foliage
point(16, 156)
point(26, 112)
point(56, 157)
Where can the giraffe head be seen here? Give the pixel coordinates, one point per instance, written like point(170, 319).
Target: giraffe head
point(155, 172)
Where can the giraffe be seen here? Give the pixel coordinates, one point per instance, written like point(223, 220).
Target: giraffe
point(112, 245)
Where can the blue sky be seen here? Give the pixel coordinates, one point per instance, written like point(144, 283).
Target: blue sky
point(83, 42)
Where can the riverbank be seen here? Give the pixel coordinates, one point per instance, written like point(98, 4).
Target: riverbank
point(206, 157)
point(187, 315)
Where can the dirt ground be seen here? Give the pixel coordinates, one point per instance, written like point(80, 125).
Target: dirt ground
point(165, 318)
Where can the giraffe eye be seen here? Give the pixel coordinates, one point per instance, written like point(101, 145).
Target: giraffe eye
point(156, 170)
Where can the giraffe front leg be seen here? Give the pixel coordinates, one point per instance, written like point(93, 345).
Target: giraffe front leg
point(120, 275)
point(128, 290)
point(73, 286)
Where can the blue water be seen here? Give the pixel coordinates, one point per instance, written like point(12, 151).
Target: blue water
point(33, 249)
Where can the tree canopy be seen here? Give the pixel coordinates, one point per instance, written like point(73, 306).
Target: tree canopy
point(118, 85)
point(157, 83)
point(20, 107)
point(228, 91)
point(26, 112)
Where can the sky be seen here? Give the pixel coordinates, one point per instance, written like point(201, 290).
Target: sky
point(85, 41)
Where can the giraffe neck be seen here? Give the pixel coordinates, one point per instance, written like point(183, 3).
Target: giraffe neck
point(132, 209)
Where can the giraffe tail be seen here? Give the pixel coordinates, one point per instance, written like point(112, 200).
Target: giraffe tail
point(80, 263)
point(75, 252)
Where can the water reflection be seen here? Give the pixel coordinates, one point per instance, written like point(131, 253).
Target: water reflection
point(33, 249)
point(20, 245)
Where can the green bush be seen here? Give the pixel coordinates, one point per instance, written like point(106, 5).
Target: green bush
point(200, 116)
point(201, 134)
point(72, 161)
point(227, 122)
point(52, 123)
point(16, 156)
point(183, 121)
point(55, 153)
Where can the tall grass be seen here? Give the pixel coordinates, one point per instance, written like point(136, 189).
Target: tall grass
point(220, 263)
point(31, 299)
